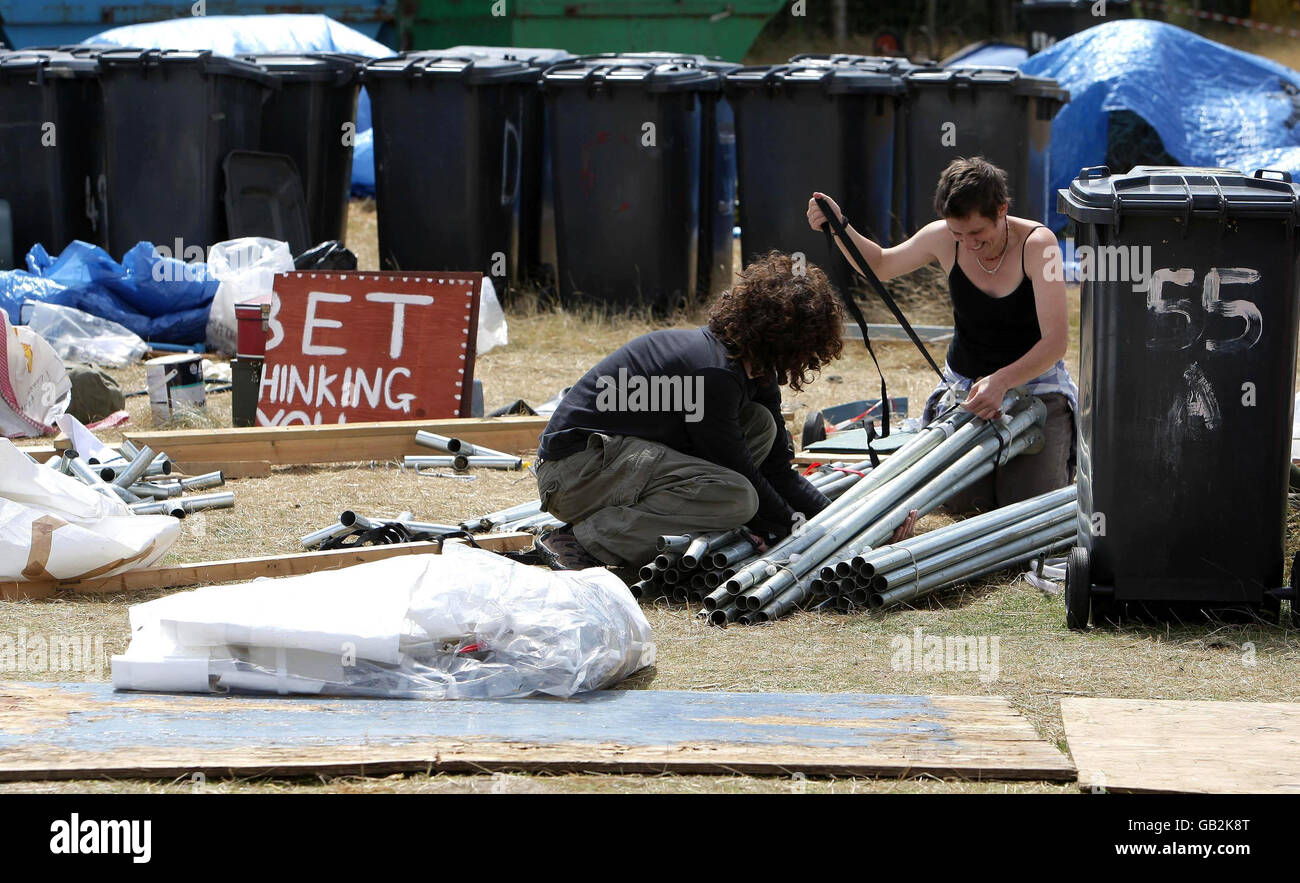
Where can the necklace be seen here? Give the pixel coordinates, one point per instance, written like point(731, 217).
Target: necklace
point(1005, 243)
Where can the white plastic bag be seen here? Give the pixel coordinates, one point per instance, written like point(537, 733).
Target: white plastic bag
point(1050, 580)
point(53, 526)
point(34, 385)
point(83, 441)
point(246, 268)
point(492, 329)
point(461, 625)
point(80, 337)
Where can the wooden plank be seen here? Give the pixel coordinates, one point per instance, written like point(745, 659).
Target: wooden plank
point(1151, 745)
point(294, 445)
point(803, 458)
point(232, 469)
point(241, 569)
point(86, 731)
point(42, 452)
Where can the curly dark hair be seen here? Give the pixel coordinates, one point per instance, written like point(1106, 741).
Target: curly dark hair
point(782, 322)
point(968, 186)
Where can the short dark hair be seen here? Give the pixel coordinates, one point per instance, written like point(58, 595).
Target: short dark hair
point(783, 322)
point(971, 185)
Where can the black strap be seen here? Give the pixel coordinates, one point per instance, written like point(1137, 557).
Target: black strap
point(836, 226)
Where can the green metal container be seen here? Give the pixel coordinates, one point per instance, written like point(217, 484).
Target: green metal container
point(710, 27)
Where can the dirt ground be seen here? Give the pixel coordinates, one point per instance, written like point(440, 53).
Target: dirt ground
point(1040, 661)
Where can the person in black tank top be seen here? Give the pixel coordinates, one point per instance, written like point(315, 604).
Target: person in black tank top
point(990, 333)
point(1010, 318)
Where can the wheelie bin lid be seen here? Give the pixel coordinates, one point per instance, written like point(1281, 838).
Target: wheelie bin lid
point(1098, 197)
point(264, 197)
point(208, 63)
point(336, 68)
point(708, 63)
point(833, 79)
point(534, 56)
point(888, 64)
point(59, 62)
point(677, 74)
point(1067, 4)
point(469, 69)
point(986, 78)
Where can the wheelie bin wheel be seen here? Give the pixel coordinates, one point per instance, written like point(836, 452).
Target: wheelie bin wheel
point(814, 429)
point(1078, 589)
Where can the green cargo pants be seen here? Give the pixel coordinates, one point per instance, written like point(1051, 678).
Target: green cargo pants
point(622, 493)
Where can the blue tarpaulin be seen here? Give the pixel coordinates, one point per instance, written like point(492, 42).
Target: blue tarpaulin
point(157, 297)
point(264, 35)
point(1211, 105)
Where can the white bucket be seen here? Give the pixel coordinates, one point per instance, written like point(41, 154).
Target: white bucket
point(175, 384)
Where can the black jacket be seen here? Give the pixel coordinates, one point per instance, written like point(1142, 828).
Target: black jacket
point(691, 394)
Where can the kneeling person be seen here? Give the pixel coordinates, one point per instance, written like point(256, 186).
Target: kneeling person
point(681, 431)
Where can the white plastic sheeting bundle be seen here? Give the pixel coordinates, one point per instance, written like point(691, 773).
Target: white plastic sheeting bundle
point(34, 385)
point(466, 624)
point(53, 526)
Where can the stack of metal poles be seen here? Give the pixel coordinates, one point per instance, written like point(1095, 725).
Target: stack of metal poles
point(689, 566)
point(958, 552)
point(142, 479)
point(351, 522)
point(946, 457)
point(891, 574)
point(459, 455)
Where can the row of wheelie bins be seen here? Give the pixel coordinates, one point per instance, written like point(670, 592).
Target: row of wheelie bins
point(114, 146)
point(611, 179)
point(643, 156)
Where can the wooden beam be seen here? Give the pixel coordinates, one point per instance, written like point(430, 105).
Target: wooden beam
point(297, 445)
point(241, 569)
point(230, 468)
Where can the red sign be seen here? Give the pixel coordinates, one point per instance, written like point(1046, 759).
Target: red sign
point(358, 347)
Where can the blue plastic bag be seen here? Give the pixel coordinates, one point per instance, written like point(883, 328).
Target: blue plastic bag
point(160, 298)
point(17, 286)
point(363, 164)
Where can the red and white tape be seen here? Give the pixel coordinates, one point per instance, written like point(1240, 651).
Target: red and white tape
point(1225, 19)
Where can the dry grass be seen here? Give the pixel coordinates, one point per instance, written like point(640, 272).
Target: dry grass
point(1040, 661)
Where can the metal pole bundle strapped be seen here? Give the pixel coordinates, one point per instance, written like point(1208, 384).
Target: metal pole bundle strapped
point(923, 488)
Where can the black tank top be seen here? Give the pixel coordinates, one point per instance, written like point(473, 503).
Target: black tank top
point(990, 332)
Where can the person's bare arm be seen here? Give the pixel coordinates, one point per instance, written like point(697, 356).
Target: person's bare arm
point(899, 260)
point(986, 393)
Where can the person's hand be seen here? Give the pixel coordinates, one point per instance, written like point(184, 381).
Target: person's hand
point(759, 546)
point(815, 216)
point(985, 397)
point(905, 529)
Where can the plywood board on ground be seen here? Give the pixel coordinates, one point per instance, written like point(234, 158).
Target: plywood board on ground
point(1155, 745)
point(87, 730)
